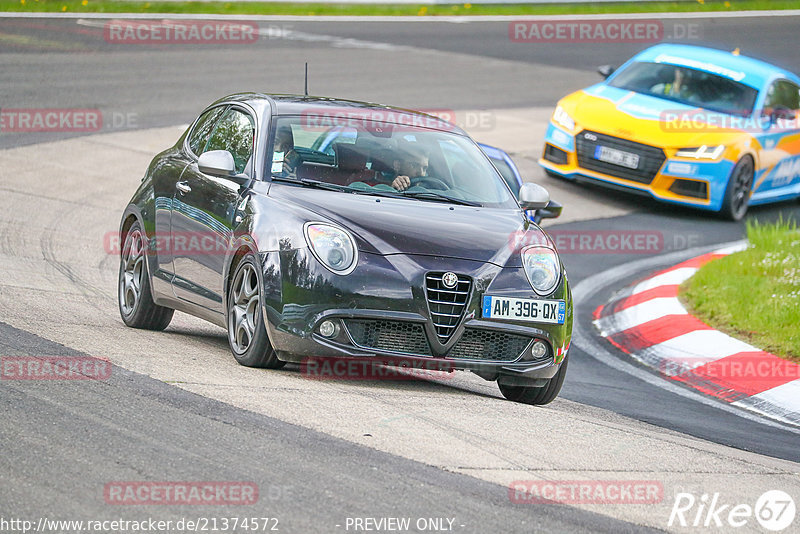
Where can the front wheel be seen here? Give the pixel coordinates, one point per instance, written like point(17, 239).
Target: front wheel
point(537, 395)
point(247, 334)
point(136, 305)
point(737, 194)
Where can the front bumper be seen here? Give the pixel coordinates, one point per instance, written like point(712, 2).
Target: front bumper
point(381, 312)
point(661, 175)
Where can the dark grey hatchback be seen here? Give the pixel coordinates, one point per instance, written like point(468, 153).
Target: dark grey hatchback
point(317, 228)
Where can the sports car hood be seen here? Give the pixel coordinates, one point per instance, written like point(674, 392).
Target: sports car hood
point(646, 119)
point(404, 226)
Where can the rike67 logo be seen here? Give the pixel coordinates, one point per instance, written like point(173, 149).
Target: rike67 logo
point(774, 510)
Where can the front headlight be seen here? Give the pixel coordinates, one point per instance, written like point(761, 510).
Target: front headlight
point(562, 117)
point(701, 152)
point(542, 268)
point(332, 246)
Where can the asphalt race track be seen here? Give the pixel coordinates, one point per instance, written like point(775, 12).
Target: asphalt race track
point(178, 408)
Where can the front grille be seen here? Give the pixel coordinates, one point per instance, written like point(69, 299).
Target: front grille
point(555, 154)
point(690, 188)
point(490, 345)
point(650, 158)
point(446, 305)
point(394, 336)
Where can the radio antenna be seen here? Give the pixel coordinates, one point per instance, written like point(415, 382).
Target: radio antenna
point(306, 78)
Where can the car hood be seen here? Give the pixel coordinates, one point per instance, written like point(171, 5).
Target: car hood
point(402, 226)
point(647, 119)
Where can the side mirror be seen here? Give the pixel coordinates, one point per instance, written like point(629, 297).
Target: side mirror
point(605, 70)
point(217, 163)
point(533, 196)
point(551, 211)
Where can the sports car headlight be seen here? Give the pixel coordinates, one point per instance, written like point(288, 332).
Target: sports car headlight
point(701, 152)
point(332, 246)
point(562, 117)
point(542, 268)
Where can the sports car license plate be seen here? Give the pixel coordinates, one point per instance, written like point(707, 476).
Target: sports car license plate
point(530, 310)
point(617, 157)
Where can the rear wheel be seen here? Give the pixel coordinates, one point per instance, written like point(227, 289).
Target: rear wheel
point(136, 305)
point(737, 194)
point(247, 334)
point(537, 395)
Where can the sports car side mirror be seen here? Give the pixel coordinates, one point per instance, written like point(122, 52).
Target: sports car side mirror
point(605, 70)
point(551, 211)
point(217, 163)
point(533, 196)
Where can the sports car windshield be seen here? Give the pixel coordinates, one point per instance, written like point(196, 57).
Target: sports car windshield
point(688, 86)
point(357, 154)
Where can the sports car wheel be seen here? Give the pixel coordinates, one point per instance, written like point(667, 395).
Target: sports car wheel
point(537, 395)
point(136, 304)
point(737, 194)
point(246, 332)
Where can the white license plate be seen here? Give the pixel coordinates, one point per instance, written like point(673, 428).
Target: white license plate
point(530, 310)
point(617, 157)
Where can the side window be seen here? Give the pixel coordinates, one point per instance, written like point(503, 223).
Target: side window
point(783, 93)
point(199, 136)
point(234, 133)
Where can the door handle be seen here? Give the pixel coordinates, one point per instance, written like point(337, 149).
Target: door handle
point(183, 187)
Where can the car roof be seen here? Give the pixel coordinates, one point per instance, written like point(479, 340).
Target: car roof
point(747, 70)
point(289, 104)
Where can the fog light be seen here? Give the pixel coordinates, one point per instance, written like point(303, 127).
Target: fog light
point(328, 329)
point(539, 349)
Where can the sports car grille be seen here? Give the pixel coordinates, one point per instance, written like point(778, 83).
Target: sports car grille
point(394, 336)
point(409, 338)
point(555, 154)
point(488, 345)
point(650, 158)
point(446, 305)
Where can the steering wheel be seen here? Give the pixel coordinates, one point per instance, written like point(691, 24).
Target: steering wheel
point(434, 183)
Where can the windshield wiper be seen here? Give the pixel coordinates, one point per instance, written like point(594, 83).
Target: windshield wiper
point(428, 195)
point(310, 183)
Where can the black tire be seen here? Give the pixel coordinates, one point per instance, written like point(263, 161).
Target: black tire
point(537, 395)
point(737, 194)
point(134, 298)
point(247, 335)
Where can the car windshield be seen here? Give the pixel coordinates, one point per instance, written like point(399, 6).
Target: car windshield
point(688, 86)
point(508, 175)
point(361, 155)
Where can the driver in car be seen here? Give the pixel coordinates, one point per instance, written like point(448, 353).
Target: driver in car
point(410, 161)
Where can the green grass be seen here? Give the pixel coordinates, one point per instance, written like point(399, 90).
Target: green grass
point(288, 8)
point(754, 294)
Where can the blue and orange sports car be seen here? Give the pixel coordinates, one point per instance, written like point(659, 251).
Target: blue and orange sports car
point(684, 124)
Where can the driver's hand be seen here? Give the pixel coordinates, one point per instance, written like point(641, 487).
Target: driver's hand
point(401, 183)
